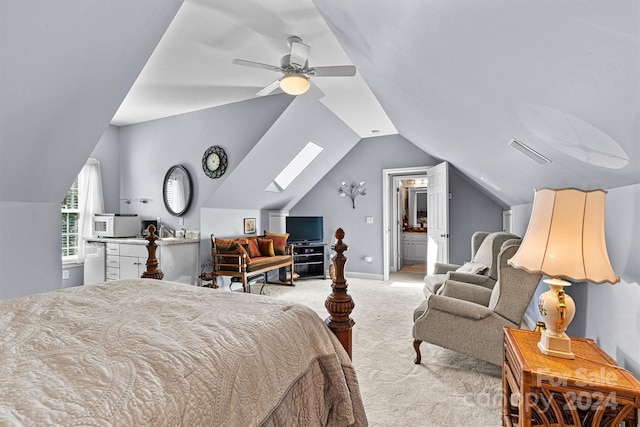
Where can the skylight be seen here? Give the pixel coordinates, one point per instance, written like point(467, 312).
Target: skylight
point(295, 167)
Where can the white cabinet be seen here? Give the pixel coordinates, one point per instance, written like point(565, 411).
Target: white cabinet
point(178, 260)
point(414, 247)
point(113, 261)
point(133, 260)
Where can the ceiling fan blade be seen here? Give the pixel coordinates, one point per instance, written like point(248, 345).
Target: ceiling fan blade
point(256, 65)
point(299, 54)
point(267, 90)
point(336, 70)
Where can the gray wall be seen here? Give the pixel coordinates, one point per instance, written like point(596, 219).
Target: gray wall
point(148, 150)
point(470, 210)
point(365, 162)
point(610, 314)
point(30, 242)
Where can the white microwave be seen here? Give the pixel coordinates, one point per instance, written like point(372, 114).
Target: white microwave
point(116, 225)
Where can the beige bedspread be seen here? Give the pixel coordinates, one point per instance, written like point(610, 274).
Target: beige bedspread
point(144, 352)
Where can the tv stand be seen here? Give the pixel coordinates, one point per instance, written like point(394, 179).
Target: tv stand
point(309, 259)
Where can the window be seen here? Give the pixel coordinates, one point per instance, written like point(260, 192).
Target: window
point(83, 200)
point(294, 168)
point(70, 219)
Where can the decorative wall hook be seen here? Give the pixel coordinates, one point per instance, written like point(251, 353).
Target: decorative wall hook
point(352, 190)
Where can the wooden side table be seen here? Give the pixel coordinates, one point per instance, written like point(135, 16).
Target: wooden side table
point(540, 390)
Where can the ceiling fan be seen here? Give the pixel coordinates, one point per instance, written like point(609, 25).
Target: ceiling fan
point(296, 71)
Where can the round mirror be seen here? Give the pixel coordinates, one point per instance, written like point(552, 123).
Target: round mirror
point(177, 190)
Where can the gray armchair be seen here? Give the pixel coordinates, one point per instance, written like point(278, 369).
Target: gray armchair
point(485, 247)
point(470, 318)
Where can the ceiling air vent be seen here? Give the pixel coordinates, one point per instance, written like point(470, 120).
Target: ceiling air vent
point(529, 152)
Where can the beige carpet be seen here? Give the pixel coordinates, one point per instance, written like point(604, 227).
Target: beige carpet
point(447, 389)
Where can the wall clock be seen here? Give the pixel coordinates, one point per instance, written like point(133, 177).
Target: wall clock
point(214, 162)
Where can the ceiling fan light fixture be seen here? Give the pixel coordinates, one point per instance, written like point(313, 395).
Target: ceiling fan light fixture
point(294, 84)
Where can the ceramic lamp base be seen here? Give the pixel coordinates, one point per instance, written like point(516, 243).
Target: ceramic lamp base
point(557, 310)
point(555, 345)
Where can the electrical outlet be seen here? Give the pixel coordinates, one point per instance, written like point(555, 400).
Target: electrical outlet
point(181, 221)
point(368, 220)
point(65, 274)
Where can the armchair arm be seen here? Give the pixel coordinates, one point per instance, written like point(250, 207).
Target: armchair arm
point(458, 307)
point(473, 279)
point(442, 268)
point(466, 292)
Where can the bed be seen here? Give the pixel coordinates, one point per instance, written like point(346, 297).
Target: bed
point(150, 352)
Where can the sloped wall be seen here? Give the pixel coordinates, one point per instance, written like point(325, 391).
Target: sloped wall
point(305, 120)
point(65, 69)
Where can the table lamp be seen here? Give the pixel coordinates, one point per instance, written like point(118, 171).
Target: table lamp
point(564, 240)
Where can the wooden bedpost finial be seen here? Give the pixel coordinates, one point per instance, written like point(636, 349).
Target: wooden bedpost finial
point(339, 303)
point(152, 271)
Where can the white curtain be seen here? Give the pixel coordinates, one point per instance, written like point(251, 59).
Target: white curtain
point(90, 200)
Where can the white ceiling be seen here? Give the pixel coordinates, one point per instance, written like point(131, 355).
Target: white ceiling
point(191, 69)
point(458, 79)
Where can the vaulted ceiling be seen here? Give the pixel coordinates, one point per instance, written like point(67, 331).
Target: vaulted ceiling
point(458, 79)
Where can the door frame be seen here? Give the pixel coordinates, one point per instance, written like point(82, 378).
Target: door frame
point(387, 206)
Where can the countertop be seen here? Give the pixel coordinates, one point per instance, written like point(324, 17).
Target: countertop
point(141, 240)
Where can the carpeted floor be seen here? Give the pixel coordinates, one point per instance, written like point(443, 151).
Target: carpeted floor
point(447, 389)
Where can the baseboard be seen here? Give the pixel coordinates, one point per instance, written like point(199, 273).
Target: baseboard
point(357, 275)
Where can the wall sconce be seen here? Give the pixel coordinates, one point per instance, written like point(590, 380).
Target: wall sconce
point(352, 190)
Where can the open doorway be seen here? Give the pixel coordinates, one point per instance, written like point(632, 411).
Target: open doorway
point(437, 218)
point(412, 231)
point(398, 215)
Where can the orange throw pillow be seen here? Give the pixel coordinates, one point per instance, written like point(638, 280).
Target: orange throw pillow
point(226, 246)
point(253, 248)
point(266, 247)
point(231, 246)
point(279, 242)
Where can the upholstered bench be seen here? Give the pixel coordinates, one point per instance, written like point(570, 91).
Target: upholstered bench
point(242, 257)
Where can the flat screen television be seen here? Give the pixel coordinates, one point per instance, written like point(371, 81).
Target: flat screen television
point(305, 229)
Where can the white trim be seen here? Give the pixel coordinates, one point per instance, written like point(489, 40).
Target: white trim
point(71, 262)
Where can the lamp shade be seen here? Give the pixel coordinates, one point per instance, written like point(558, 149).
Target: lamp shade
point(294, 84)
point(565, 237)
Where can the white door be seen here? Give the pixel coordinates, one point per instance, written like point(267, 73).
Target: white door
point(437, 215)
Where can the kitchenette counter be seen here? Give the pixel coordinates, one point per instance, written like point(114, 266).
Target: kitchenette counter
point(141, 240)
point(126, 258)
